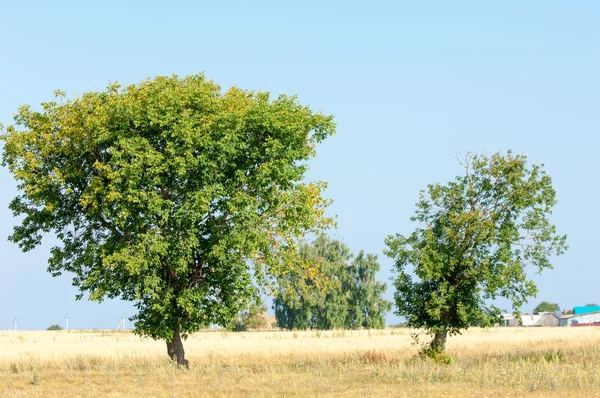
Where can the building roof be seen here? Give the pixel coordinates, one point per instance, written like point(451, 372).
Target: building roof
point(574, 315)
point(544, 317)
point(585, 310)
point(536, 320)
point(529, 320)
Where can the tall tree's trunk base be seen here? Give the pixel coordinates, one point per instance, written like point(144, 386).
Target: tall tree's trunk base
point(176, 351)
point(439, 341)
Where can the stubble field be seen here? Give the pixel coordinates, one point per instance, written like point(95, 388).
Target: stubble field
point(495, 362)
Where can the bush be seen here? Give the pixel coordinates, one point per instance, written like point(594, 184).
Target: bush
point(438, 355)
point(54, 327)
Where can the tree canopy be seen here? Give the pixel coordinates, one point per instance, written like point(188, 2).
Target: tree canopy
point(476, 238)
point(171, 193)
point(351, 299)
point(545, 306)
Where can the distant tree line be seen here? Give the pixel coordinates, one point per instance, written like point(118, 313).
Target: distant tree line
point(351, 299)
point(334, 289)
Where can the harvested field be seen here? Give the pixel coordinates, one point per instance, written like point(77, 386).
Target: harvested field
point(495, 362)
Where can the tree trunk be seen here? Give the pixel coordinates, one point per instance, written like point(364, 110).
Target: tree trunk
point(439, 340)
point(175, 350)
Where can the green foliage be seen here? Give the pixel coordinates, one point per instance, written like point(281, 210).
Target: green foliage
point(34, 379)
point(257, 317)
point(436, 354)
point(545, 306)
point(237, 323)
point(171, 194)
point(366, 306)
point(591, 305)
point(54, 327)
point(350, 299)
point(477, 235)
point(253, 318)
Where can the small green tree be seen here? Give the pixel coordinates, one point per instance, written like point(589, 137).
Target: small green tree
point(352, 298)
point(171, 194)
point(54, 327)
point(237, 323)
point(545, 306)
point(253, 318)
point(257, 317)
point(478, 234)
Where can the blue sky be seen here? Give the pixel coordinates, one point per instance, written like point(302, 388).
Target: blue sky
point(410, 85)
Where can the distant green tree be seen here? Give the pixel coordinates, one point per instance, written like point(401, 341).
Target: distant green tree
point(254, 317)
point(237, 323)
point(350, 299)
point(591, 305)
point(257, 317)
point(545, 306)
point(54, 327)
point(366, 307)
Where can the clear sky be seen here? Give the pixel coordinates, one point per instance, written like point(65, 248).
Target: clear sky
point(410, 85)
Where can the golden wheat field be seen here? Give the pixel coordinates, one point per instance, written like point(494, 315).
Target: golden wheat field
point(493, 362)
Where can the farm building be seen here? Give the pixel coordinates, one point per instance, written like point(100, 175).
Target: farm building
point(586, 309)
point(543, 319)
point(510, 320)
point(585, 319)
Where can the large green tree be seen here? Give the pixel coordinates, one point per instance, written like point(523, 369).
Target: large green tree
point(350, 298)
point(171, 193)
point(476, 238)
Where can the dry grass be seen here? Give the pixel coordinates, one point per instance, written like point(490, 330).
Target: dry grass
point(496, 362)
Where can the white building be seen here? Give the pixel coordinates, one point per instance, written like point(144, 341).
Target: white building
point(589, 319)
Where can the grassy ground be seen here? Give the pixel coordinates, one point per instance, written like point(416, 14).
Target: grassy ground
point(495, 362)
